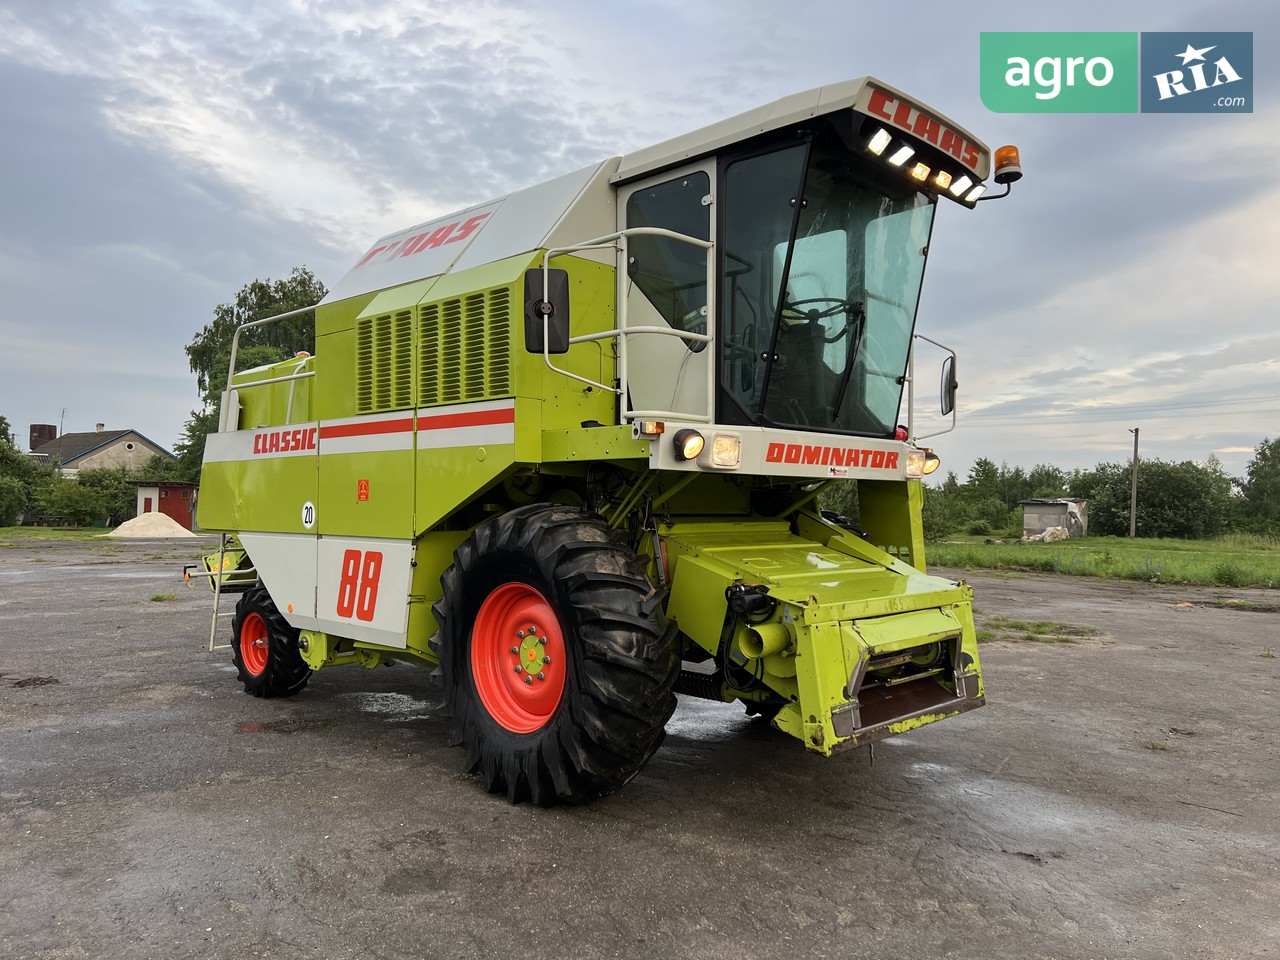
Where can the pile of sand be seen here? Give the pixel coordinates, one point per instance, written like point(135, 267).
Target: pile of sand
point(151, 525)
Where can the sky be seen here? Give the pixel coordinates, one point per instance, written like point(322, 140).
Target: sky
point(158, 156)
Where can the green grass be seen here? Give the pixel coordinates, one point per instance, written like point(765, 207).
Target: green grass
point(12, 536)
point(1032, 631)
point(163, 597)
point(1233, 561)
point(1156, 745)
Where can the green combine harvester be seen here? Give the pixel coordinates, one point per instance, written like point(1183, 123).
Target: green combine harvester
point(567, 447)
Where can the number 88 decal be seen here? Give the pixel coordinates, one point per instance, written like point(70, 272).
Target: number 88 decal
point(358, 585)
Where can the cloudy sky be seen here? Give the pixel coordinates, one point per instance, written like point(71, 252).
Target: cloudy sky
point(157, 156)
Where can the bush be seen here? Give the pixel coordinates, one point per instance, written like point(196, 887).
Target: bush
point(979, 528)
point(83, 506)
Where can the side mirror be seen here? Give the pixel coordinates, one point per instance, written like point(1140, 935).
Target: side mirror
point(949, 386)
point(555, 311)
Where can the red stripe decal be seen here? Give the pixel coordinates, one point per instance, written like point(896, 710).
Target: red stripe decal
point(334, 431)
point(479, 418)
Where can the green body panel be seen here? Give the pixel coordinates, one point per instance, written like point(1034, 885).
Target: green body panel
point(241, 495)
point(891, 517)
point(589, 444)
point(843, 603)
point(388, 479)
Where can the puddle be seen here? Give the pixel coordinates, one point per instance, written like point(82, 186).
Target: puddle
point(394, 706)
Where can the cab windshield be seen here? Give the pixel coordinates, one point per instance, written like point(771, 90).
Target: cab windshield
point(821, 275)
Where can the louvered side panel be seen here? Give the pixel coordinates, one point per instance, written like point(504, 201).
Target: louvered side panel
point(451, 351)
point(364, 366)
point(384, 363)
point(499, 342)
point(402, 366)
point(429, 355)
point(474, 347)
point(464, 349)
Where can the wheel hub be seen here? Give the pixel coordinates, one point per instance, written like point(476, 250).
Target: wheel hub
point(253, 644)
point(518, 657)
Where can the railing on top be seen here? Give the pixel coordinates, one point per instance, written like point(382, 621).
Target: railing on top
point(230, 399)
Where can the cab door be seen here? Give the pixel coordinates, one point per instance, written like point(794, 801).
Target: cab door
point(666, 286)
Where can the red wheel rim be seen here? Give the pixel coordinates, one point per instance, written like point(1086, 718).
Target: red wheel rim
point(253, 644)
point(518, 658)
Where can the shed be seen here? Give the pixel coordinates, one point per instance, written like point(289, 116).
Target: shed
point(175, 500)
point(1042, 514)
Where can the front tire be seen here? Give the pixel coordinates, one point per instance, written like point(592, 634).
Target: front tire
point(264, 648)
point(557, 659)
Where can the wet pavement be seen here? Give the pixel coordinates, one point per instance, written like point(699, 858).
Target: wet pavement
point(1117, 799)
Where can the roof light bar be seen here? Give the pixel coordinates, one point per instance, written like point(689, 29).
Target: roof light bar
point(879, 141)
point(902, 156)
point(976, 192)
point(920, 171)
point(958, 187)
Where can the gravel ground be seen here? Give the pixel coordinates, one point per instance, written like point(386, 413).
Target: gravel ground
point(1117, 799)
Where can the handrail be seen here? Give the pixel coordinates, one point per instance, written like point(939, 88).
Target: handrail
point(235, 347)
point(620, 333)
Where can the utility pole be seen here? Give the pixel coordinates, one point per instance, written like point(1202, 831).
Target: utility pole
point(1133, 491)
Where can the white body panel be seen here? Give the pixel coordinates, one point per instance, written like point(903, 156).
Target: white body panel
point(286, 565)
point(847, 95)
point(264, 443)
point(384, 619)
point(355, 587)
point(521, 222)
point(527, 219)
point(788, 453)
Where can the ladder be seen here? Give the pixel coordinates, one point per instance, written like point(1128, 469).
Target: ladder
point(221, 584)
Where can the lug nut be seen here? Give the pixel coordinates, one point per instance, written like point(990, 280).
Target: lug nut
point(541, 677)
point(532, 630)
point(543, 641)
point(519, 634)
point(515, 649)
point(529, 679)
point(517, 669)
point(546, 659)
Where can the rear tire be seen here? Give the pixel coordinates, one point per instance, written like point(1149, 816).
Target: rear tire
point(264, 648)
point(583, 722)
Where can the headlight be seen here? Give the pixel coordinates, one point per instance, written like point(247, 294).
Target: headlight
point(689, 444)
point(915, 464)
point(726, 451)
point(921, 463)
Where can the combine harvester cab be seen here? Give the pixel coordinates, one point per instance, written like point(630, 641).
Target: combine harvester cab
point(567, 447)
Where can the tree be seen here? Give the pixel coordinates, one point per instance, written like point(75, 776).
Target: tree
point(1261, 488)
point(210, 350)
point(1185, 500)
point(6, 432)
point(1047, 480)
point(13, 500)
point(117, 491)
point(26, 475)
point(943, 513)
